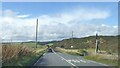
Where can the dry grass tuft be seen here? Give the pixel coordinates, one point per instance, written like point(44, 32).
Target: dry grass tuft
point(71, 51)
point(12, 51)
point(103, 54)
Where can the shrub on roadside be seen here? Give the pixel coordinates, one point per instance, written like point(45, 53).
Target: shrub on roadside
point(10, 52)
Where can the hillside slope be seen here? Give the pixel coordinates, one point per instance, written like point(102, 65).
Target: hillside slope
point(106, 43)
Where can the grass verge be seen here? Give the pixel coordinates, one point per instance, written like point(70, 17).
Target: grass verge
point(14, 55)
point(105, 58)
point(98, 58)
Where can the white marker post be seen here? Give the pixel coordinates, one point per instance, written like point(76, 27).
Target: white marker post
point(71, 48)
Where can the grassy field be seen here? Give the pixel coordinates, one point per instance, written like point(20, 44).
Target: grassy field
point(18, 54)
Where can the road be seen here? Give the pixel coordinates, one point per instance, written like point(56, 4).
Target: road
point(60, 59)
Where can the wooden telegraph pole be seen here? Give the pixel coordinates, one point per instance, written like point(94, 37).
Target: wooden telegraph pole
point(96, 47)
point(36, 31)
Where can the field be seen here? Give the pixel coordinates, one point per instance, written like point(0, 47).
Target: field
point(21, 54)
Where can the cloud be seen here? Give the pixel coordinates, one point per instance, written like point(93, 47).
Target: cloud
point(86, 14)
point(10, 13)
point(23, 16)
point(55, 27)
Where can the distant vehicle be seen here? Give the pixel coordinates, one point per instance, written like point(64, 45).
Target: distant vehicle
point(49, 50)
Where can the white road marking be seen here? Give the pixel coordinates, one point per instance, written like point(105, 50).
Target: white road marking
point(38, 60)
point(44, 53)
point(65, 59)
point(53, 51)
point(97, 62)
point(83, 61)
point(77, 61)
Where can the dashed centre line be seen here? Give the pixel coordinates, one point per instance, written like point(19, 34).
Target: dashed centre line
point(65, 59)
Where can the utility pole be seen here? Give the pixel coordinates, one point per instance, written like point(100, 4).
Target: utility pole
point(36, 31)
point(96, 47)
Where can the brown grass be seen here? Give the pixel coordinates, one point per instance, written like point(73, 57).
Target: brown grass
point(91, 52)
point(13, 51)
point(71, 51)
point(103, 54)
point(67, 50)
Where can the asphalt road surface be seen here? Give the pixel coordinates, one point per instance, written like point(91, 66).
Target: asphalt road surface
point(53, 58)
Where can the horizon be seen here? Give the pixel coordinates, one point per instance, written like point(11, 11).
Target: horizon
point(58, 20)
point(53, 40)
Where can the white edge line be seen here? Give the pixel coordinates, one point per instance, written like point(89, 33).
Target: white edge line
point(38, 60)
point(98, 63)
point(44, 53)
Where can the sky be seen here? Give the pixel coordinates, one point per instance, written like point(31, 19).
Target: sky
point(60, 0)
point(57, 20)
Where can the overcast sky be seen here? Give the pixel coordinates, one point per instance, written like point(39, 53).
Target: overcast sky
point(57, 20)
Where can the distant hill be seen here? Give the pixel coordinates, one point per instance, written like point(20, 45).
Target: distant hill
point(106, 43)
point(39, 43)
point(45, 43)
